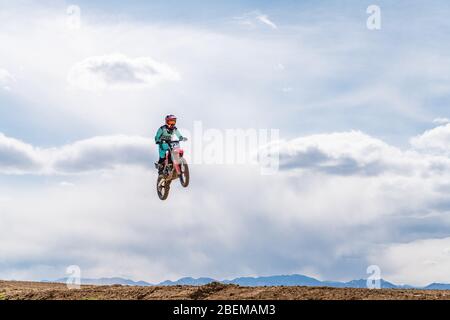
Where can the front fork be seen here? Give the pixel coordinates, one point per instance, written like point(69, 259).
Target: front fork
point(175, 161)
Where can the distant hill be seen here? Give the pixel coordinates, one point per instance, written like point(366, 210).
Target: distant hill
point(301, 280)
point(187, 282)
point(280, 280)
point(107, 282)
point(438, 286)
point(361, 283)
point(288, 280)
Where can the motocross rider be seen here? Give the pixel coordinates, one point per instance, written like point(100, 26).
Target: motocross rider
point(164, 135)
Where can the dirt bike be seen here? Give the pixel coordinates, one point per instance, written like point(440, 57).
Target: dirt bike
point(175, 167)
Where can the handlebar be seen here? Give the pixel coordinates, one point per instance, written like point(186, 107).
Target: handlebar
point(171, 142)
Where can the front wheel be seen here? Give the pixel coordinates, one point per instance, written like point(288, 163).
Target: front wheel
point(184, 175)
point(162, 188)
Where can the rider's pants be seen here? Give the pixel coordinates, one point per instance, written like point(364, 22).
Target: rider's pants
point(163, 148)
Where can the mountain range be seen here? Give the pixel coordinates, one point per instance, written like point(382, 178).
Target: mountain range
point(281, 280)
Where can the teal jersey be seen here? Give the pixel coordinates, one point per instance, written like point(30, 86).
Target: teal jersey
point(165, 134)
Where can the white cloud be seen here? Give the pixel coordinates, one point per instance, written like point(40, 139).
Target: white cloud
point(354, 153)
point(265, 19)
point(436, 140)
point(118, 71)
point(441, 121)
point(101, 153)
point(98, 153)
point(340, 154)
point(65, 184)
point(252, 18)
point(281, 67)
point(419, 262)
point(18, 157)
point(6, 79)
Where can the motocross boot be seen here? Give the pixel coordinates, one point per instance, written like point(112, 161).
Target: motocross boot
point(160, 166)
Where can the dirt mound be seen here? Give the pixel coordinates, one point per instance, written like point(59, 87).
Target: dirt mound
point(213, 291)
point(206, 291)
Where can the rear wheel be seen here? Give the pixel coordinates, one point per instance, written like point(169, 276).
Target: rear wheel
point(184, 175)
point(162, 188)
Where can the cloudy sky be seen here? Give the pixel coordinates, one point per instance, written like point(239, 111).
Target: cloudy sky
point(364, 139)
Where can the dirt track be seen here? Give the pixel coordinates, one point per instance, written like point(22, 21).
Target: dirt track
point(49, 291)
